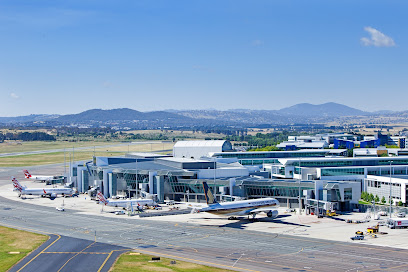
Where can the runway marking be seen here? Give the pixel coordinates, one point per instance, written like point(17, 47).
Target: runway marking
point(276, 256)
point(75, 253)
point(238, 259)
point(283, 266)
point(398, 266)
point(329, 243)
point(107, 258)
point(59, 237)
point(75, 256)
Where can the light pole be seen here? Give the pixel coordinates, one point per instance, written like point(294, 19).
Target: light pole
point(390, 188)
point(300, 180)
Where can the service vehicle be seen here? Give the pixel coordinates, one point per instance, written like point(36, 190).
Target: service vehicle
point(357, 237)
point(397, 223)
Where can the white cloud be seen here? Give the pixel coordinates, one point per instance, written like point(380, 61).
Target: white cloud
point(377, 38)
point(14, 96)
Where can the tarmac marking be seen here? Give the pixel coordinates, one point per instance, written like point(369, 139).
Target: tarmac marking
point(194, 260)
point(75, 256)
point(283, 266)
point(398, 266)
point(276, 256)
point(76, 253)
point(59, 237)
point(107, 258)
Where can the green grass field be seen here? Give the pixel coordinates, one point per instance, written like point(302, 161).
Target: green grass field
point(12, 240)
point(50, 158)
point(142, 263)
point(11, 147)
point(58, 157)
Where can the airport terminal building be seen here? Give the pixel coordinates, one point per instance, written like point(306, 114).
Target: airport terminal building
point(179, 178)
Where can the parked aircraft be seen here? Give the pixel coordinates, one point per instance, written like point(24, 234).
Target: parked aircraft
point(52, 193)
point(239, 208)
point(41, 178)
point(126, 202)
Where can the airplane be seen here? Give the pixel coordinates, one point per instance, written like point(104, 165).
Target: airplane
point(125, 203)
point(232, 209)
point(52, 193)
point(41, 178)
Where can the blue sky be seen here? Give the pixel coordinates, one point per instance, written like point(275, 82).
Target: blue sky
point(69, 56)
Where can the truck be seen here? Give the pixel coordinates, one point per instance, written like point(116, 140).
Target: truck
point(397, 223)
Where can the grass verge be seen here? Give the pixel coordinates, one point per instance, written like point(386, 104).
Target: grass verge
point(12, 240)
point(50, 158)
point(143, 263)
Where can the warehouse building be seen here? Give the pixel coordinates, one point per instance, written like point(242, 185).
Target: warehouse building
point(198, 149)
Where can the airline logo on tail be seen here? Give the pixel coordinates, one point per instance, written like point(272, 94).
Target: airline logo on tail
point(101, 198)
point(26, 174)
point(17, 185)
point(209, 197)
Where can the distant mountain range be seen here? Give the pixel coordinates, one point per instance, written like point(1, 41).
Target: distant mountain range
point(327, 109)
point(129, 118)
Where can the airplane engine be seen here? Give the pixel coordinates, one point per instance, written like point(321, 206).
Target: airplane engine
point(53, 196)
point(272, 213)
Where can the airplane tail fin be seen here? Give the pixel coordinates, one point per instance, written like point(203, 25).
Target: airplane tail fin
point(209, 197)
point(26, 174)
point(17, 184)
point(102, 198)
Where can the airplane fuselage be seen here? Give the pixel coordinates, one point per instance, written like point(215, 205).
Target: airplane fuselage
point(50, 191)
point(131, 202)
point(243, 207)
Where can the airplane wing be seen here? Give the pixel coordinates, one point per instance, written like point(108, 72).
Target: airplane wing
point(265, 210)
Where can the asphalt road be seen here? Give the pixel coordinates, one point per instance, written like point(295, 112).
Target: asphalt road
point(66, 254)
point(226, 245)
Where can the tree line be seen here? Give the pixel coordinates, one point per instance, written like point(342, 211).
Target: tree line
point(27, 136)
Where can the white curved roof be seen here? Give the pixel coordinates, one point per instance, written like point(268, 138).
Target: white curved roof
point(212, 143)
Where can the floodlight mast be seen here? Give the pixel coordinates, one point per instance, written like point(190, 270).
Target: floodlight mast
point(300, 180)
point(390, 187)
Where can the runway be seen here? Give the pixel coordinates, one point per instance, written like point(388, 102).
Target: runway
point(65, 254)
point(221, 246)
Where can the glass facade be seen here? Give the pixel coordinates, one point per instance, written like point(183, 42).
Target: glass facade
point(257, 161)
point(277, 154)
point(373, 162)
point(341, 171)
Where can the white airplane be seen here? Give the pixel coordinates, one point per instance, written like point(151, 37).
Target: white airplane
point(138, 203)
point(239, 208)
point(41, 178)
point(52, 193)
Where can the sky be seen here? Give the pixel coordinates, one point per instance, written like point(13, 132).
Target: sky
point(63, 57)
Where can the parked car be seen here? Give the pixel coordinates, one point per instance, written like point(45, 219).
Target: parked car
point(357, 237)
point(400, 214)
point(119, 212)
point(61, 209)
